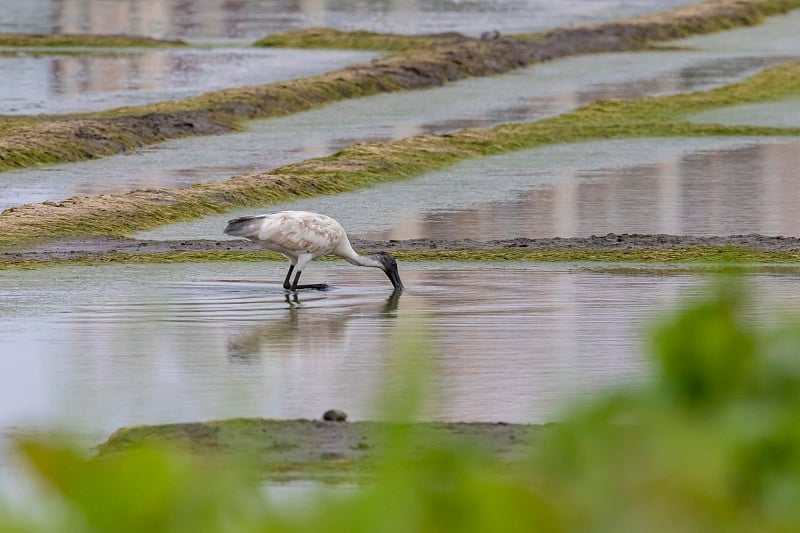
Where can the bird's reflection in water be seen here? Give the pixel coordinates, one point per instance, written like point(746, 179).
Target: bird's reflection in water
point(303, 327)
point(389, 309)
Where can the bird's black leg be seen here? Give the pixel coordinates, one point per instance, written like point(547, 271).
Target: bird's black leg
point(286, 284)
point(296, 279)
point(318, 286)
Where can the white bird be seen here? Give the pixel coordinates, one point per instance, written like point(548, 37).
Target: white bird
point(301, 237)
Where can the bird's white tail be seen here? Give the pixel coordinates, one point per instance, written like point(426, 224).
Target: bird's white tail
point(244, 226)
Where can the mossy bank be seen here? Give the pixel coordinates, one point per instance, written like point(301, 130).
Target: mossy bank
point(316, 449)
point(71, 40)
point(610, 252)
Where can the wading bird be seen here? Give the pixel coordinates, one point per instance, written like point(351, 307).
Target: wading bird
point(301, 237)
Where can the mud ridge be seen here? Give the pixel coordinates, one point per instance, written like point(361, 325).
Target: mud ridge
point(95, 247)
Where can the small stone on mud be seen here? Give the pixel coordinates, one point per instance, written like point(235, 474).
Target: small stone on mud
point(334, 415)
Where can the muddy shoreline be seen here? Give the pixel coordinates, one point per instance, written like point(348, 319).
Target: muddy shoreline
point(323, 450)
point(96, 247)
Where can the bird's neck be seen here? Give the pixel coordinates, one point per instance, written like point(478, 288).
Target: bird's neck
point(348, 254)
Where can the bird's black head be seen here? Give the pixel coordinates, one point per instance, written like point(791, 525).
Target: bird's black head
point(390, 268)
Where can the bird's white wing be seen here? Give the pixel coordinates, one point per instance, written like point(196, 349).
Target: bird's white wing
point(301, 232)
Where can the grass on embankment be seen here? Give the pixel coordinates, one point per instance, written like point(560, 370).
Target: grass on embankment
point(689, 258)
point(368, 164)
point(356, 40)
point(84, 41)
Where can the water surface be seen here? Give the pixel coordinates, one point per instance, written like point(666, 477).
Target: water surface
point(780, 114)
point(94, 81)
point(103, 347)
point(252, 19)
point(684, 186)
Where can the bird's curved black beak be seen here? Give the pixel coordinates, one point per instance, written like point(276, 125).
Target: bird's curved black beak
point(394, 277)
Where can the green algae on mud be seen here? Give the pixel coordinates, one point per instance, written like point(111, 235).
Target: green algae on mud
point(47, 140)
point(28, 141)
point(686, 255)
point(84, 40)
point(315, 449)
point(688, 258)
point(367, 164)
point(355, 40)
point(140, 258)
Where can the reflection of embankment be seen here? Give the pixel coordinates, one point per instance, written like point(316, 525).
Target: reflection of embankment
point(29, 141)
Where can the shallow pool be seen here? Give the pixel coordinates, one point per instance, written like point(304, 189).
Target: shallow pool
point(96, 348)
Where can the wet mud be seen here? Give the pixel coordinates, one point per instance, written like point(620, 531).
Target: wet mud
point(91, 248)
point(287, 449)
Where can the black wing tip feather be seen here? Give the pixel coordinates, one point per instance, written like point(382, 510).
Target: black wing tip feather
point(240, 227)
point(244, 218)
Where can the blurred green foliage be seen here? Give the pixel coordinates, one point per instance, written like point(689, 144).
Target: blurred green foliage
point(711, 443)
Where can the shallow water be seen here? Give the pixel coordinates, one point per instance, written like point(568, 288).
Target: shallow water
point(677, 186)
point(103, 347)
point(58, 81)
point(98, 80)
point(781, 114)
point(252, 19)
point(686, 186)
